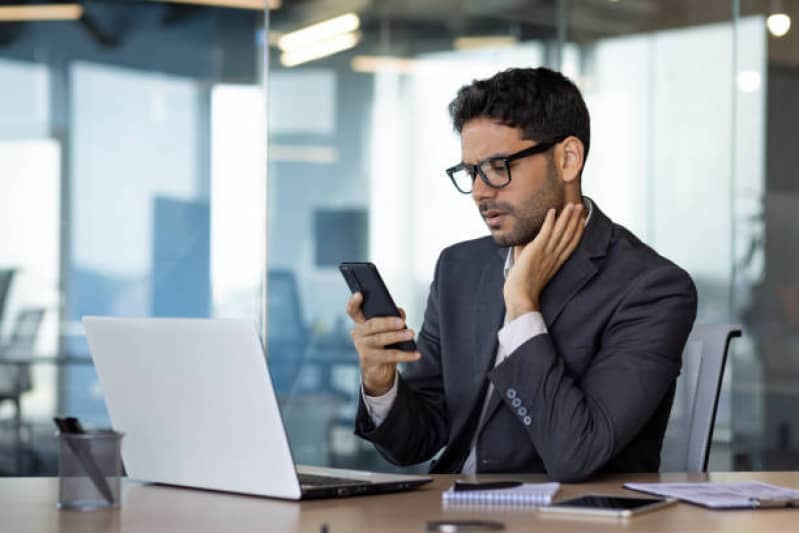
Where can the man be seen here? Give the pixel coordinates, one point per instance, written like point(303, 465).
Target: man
point(551, 346)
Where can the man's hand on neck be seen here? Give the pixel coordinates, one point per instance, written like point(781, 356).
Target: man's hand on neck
point(537, 262)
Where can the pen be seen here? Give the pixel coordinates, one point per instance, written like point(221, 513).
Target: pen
point(463, 486)
point(71, 425)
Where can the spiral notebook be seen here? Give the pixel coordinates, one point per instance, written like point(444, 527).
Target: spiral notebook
point(523, 494)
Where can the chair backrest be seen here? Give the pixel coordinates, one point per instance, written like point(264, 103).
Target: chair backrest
point(6, 277)
point(284, 316)
point(686, 445)
point(286, 330)
point(17, 379)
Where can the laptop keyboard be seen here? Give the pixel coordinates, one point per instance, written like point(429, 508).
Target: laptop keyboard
point(314, 480)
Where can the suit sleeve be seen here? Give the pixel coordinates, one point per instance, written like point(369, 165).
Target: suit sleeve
point(416, 427)
point(577, 426)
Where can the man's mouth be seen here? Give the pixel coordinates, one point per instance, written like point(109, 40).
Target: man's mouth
point(494, 217)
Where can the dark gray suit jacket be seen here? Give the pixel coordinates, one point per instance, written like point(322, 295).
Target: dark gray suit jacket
point(592, 395)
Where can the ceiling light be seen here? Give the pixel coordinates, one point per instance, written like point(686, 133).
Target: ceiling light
point(40, 12)
point(486, 41)
point(255, 5)
point(778, 24)
point(319, 49)
point(374, 64)
point(318, 32)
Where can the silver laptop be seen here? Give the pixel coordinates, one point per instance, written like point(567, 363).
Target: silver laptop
point(196, 403)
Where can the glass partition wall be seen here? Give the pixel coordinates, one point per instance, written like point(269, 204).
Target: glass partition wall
point(133, 157)
point(179, 159)
point(684, 153)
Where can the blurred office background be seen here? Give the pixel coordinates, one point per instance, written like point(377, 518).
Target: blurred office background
point(185, 159)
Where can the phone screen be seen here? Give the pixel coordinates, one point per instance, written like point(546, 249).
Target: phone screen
point(617, 503)
point(608, 503)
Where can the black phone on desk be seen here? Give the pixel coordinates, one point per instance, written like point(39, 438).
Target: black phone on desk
point(377, 301)
point(607, 505)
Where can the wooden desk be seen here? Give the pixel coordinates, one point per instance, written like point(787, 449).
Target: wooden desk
point(28, 505)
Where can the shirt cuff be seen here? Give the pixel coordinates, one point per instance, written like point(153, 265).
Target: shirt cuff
point(378, 407)
point(520, 330)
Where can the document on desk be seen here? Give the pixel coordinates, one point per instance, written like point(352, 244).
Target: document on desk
point(734, 495)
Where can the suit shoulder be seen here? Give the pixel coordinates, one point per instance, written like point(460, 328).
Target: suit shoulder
point(639, 259)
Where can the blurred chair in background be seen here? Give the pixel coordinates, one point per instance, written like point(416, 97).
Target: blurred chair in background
point(6, 277)
point(15, 373)
point(686, 445)
point(286, 330)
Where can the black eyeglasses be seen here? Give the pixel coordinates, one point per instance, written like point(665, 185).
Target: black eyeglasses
point(494, 171)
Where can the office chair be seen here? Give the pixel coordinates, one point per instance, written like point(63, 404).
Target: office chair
point(287, 333)
point(686, 445)
point(15, 379)
point(6, 277)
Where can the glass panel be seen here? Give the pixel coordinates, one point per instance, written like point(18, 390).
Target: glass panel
point(677, 96)
point(359, 141)
point(765, 202)
point(135, 162)
point(690, 127)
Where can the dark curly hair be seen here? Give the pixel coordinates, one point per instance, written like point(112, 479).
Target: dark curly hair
point(543, 103)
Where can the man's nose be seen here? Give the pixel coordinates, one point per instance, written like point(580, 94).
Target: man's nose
point(481, 190)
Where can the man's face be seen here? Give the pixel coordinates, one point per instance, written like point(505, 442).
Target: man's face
point(514, 214)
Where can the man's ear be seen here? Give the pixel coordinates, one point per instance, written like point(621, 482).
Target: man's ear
point(570, 156)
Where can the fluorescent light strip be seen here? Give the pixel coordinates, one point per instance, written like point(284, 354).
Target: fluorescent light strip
point(255, 5)
point(321, 49)
point(317, 32)
point(373, 64)
point(40, 12)
point(486, 41)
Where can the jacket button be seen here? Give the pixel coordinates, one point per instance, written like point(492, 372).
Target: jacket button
point(516, 402)
point(527, 420)
point(510, 393)
point(522, 411)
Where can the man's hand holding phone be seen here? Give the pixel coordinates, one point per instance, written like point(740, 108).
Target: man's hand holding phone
point(371, 338)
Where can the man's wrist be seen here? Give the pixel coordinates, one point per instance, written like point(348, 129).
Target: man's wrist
point(516, 309)
point(380, 389)
point(375, 391)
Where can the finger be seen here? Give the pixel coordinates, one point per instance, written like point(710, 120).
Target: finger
point(546, 228)
point(354, 308)
point(401, 312)
point(561, 224)
point(549, 222)
point(381, 340)
point(575, 221)
point(530, 249)
point(573, 243)
point(394, 356)
point(378, 325)
point(540, 241)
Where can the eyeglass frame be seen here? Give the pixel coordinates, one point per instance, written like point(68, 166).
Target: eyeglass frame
point(476, 169)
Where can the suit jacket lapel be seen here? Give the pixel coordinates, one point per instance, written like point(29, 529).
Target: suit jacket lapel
point(570, 279)
point(489, 313)
point(579, 268)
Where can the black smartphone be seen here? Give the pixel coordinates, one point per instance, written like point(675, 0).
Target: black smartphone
point(377, 301)
point(607, 505)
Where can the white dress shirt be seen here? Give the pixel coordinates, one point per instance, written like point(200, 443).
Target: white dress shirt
point(512, 335)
